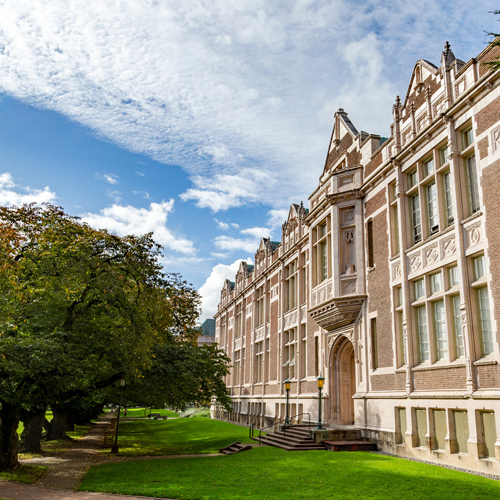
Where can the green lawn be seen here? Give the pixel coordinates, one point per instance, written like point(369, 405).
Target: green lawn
point(24, 474)
point(177, 436)
point(139, 412)
point(271, 473)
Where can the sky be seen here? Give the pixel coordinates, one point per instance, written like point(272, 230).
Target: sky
point(202, 121)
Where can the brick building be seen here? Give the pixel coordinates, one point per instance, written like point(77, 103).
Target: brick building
point(389, 284)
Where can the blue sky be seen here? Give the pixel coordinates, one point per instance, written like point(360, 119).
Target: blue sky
point(202, 121)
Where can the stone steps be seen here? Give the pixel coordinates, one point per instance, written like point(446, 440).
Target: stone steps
point(235, 447)
point(354, 445)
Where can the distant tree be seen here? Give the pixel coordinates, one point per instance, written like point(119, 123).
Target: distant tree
point(80, 308)
point(495, 64)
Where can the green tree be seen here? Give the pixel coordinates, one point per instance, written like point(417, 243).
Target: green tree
point(495, 64)
point(80, 308)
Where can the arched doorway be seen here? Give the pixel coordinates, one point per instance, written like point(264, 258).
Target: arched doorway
point(343, 380)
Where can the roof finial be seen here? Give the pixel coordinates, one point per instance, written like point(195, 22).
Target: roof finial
point(446, 48)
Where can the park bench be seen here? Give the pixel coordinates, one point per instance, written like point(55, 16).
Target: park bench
point(157, 416)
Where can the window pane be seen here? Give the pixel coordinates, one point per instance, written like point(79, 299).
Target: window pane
point(415, 218)
point(440, 330)
point(428, 167)
point(461, 424)
point(485, 320)
point(473, 185)
point(479, 267)
point(467, 137)
point(440, 429)
point(443, 155)
point(324, 261)
point(423, 335)
point(421, 420)
point(412, 178)
point(448, 198)
point(419, 289)
point(453, 276)
point(457, 323)
point(432, 208)
point(436, 283)
point(489, 433)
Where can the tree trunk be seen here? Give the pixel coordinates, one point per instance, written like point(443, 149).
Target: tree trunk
point(32, 433)
point(9, 442)
point(57, 426)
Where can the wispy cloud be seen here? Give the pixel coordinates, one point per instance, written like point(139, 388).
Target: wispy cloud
point(127, 219)
point(15, 194)
point(226, 225)
point(111, 178)
point(228, 90)
point(140, 174)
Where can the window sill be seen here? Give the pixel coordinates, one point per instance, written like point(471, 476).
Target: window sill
point(431, 238)
point(439, 365)
point(472, 217)
point(486, 360)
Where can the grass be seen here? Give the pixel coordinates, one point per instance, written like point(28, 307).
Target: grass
point(58, 446)
point(24, 474)
point(139, 413)
point(271, 473)
point(177, 436)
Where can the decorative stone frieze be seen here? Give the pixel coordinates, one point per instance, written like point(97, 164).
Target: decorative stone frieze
point(291, 319)
point(337, 312)
point(260, 334)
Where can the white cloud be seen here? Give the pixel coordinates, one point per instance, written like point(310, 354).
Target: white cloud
point(277, 217)
point(144, 194)
point(140, 174)
point(226, 225)
point(116, 195)
point(220, 86)
point(111, 178)
point(210, 291)
point(257, 232)
point(249, 245)
point(125, 220)
point(14, 194)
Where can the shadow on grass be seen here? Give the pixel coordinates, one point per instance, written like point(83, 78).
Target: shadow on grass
point(270, 473)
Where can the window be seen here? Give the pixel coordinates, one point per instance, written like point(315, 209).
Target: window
point(472, 184)
point(485, 320)
point(316, 356)
point(457, 324)
point(259, 361)
point(289, 354)
point(432, 208)
point(440, 429)
point(467, 138)
point(489, 433)
point(373, 329)
point(416, 222)
point(479, 267)
point(461, 424)
point(238, 321)
point(412, 179)
point(443, 155)
point(321, 249)
point(440, 330)
point(418, 288)
point(259, 312)
point(236, 368)
point(453, 276)
point(428, 167)
point(401, 420)
point(423, 334)
point(369, 229)
point(421, 424)
point(303, 352)
point(290, 289)
point(436, 283)
point(448, 199)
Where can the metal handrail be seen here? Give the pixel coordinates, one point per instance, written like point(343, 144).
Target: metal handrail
point(278, 423)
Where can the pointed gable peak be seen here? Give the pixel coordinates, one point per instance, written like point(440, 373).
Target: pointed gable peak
point(343, 125)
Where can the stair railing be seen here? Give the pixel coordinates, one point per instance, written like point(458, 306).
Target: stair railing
point(278, 423)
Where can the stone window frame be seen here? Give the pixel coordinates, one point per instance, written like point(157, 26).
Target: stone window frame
point(419, 180)
point(260, 301)
point(445, 295)
point(322, 236)
point(289, 354)
point(291, 274)
point(259, 348)
point(400, 351)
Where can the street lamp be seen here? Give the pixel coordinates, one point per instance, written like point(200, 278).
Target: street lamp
point(114, 448)
point(320, 380)
point(287, 387)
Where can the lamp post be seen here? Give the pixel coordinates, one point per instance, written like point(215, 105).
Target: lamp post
point(114, 448)
point(287, 387)
point(320, 380)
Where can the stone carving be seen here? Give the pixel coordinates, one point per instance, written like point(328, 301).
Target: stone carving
point(349, 236)
point(474, 233)
point(415, 262)
point(431, 254)
point(260, 334)
point(396, 270)
point(303, 314)
point(291, 320)
point(338, 318)
point(422, 123)
point(346, 179)
point(348, 287)
point(347, 216)
point(449, 247)
point(460, 86)
point(237, 344)
point(406, 136)
point(439, 106)
point(495, 139)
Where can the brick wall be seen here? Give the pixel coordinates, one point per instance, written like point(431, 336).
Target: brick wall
point(488, 116)
point(379, 291)
point(373, 164)
point(488, 376)
point(483, 148)
point(374, 203)
point(490, 55)
point(445, 378)
point(388, 382)
point(490, 181)
point(336, 153)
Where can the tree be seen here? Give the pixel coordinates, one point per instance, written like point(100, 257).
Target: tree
point(495, 64)
point(80, 308)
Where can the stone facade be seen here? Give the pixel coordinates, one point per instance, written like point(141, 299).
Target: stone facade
point(389, 284)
